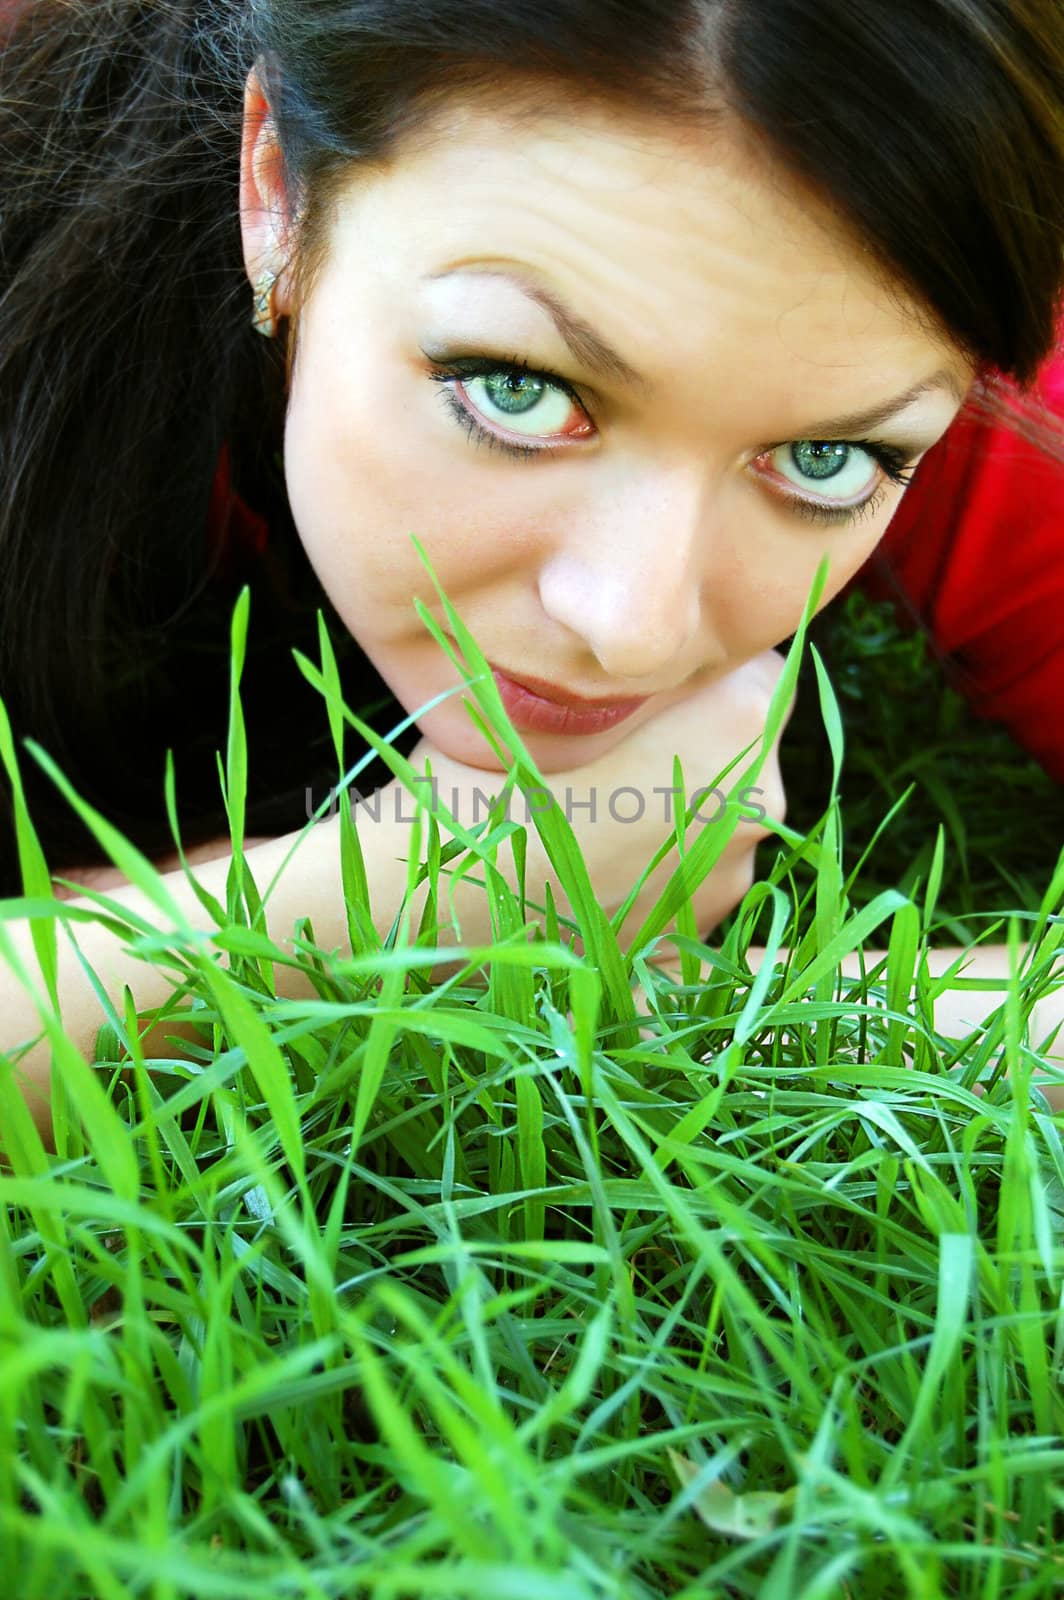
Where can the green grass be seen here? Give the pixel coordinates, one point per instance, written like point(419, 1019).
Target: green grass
point(1001, 815)
point(463, 1287)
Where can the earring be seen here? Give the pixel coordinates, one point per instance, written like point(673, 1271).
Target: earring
point(263, 319)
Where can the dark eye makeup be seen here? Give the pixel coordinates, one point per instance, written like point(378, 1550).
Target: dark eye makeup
point(893, 461)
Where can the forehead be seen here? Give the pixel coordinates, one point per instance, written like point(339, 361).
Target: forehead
point(684, 245)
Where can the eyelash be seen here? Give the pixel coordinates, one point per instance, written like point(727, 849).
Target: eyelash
point(891, 461)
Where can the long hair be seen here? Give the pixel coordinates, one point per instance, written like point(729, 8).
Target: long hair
point(933, 129)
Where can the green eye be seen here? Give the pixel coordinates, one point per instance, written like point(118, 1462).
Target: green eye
point(514, 398)
point(514, 392)
point(831, 466)
point(819, 459)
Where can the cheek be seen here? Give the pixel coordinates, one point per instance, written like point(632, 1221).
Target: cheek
point(850, 548)
point(760, 598)
point(370, 462)
point(357, 496)
point(344, 486)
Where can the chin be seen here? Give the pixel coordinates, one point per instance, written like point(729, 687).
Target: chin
point(550, 752)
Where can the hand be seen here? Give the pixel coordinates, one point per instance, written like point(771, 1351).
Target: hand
point(706, 726)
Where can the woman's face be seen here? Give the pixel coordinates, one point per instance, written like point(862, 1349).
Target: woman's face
point(649, 505)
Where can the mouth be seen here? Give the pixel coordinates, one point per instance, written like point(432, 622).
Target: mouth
point(535, 706)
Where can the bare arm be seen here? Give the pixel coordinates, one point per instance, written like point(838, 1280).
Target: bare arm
point(309, 886)
point(959, 1011)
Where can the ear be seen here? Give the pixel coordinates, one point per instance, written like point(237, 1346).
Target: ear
point(264, 218)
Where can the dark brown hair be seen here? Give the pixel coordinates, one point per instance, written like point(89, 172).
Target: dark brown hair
point(933, 129)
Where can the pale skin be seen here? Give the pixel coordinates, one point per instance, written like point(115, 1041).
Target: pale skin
point(664, 538)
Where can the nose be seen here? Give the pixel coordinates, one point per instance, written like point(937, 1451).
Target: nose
point(631, 589)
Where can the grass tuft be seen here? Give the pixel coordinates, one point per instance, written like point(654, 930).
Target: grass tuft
point(476, 1288)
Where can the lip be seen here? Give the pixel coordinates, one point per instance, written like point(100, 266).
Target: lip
point(535, 706)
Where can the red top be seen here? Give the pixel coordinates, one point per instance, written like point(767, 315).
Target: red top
point(977, 544)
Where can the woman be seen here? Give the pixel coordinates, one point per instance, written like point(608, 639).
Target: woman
point(725, 293)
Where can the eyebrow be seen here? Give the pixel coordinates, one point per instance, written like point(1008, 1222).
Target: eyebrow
point(865, 421)
point(584, 343)
point(587, 346)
